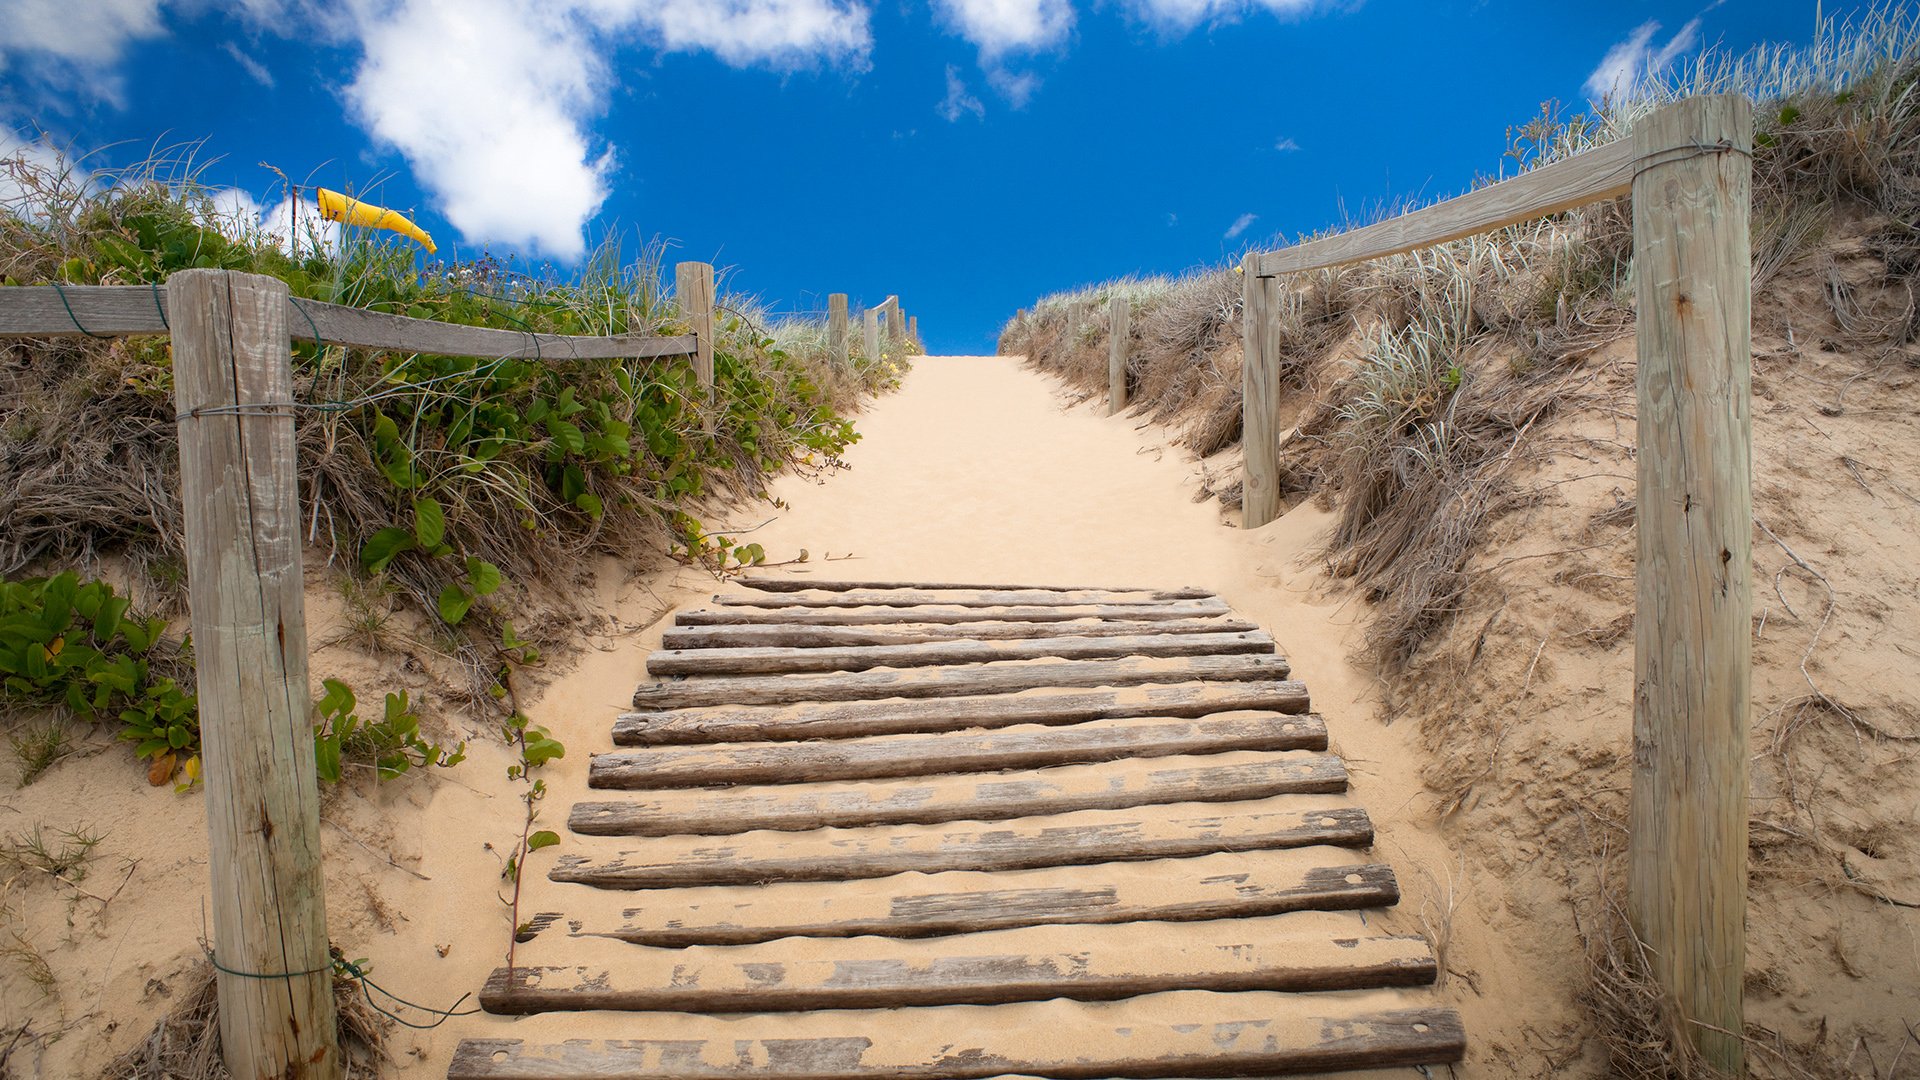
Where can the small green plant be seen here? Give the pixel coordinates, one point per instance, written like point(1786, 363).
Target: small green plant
point(536, 747)
point(64, 855)
point(37, 748)
point(391, 745)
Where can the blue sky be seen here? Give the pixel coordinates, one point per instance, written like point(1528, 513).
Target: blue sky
point(968, 155)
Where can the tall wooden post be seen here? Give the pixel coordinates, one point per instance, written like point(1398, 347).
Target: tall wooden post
point(239, 490)
point(1687, 849)
point(873, 335)
point(693, 289)
point(913, 332)
point(1259, 395)
point(896, 322)
point(1118, 310)
point(837, 328)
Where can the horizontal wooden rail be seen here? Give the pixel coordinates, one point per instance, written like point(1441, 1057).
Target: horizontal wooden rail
point(1604, 172)
point(38, 311)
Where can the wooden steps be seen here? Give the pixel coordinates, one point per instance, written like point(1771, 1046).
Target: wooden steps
point(945, 831)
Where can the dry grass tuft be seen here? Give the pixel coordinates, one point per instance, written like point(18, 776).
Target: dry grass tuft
point(185, 1043)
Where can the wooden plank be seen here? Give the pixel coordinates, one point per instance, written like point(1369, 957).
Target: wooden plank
point(885, 597)
point(1180, 1033)
point(828, 616)
point(835, 720)
point(1024, 747)
point(1604, 172)
point(810, 636)
point(1077, 839)
point(1301, 952)
point(1687, 845)
point(804, 584)
point(795, 805)
point(693, 292)
point(1259, 396)
point(776, 661)
point(240, 493)
point(1232, 885)
point(1117, 336)
point(955, 681)
point(119, 310)
point(837, 345)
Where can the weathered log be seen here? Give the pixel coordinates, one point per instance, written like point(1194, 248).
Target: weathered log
point(959, 680)
point(1233, 885)
point(808, 636)
point(840, 719)
point(801, 584)
point(925, 800)
point(889, 597)
point(1180, 1033)
point(1077, 839)
point(777, 661)
point(1022, 747)
point(948, 613)
point(1301, 952)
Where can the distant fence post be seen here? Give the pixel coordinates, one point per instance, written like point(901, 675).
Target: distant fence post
point(1259, 395)
point(239, 490)
point(693, 289)
point(837, 328)
point(896, 321)
point(1117, 311)
point(913, 331)
point(873, 335)
point(1687, 848)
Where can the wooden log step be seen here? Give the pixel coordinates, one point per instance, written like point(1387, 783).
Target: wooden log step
point(924, 800)
point(957, 680)
point(949, 613)
point(895, 598)
point(759, 661)
point(1179, 1033)
point(802, 584)
point(1027, 746)
point(1302, 952)
point(1222, 886)
point(1075, 839)
point(833, 720)
point(808, 636)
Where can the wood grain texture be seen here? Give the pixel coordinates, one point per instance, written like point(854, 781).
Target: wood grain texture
point(1233, 885)
point(1604, 172)
point(838, 346)
point(811, 636)
point(946, 613)
point(955, 681)
point(1023, 747)
point(120, 310)
point(1687, 846)
point(1301, 952)
point(801, 583)
point(1077, 839)
point(1260, 396)
point(239, 487)
point(693, 292)
point(872, 337)
point(800, 803)
point(1181, 1033)
point(833, 720)
point(981, 598)
point(782, 661)
point(1118, 337)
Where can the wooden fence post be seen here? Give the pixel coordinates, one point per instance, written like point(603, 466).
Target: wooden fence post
point(239, 490)
point(693, 289)
point(913, 331)
point(1687, 848)
point(837, 328)
point(1259, 395)
point(896, 322)
point(873, 335)
point(1118, 310)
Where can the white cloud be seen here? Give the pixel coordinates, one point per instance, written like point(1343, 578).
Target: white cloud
point(959, 101)
point(27, 168)
point(72, 47)
point(1181, 16)
point(254, 68)
point(295, 225)
point(1285, 145)
point(779, 33)
point(233, 211)
point(1629, 64)
point(1018, 87)
point(999, 27)
point(1240, 225)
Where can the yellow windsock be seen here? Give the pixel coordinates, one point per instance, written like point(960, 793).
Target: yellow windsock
point(337, 207)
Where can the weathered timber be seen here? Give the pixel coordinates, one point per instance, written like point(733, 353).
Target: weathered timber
point(779, 661)
point(1088, 836)
point(889, 597)
point(955, 681)
point(837, 345)
point(1233, 885)
point(832, 720)
point(1244, 775)
point(947, 613)
point(693, 293)
point(804, 584)
point(1179, 1033)
point(1023, 747)
point(1260, 344)
point(808, 636)
point(1302, 952)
